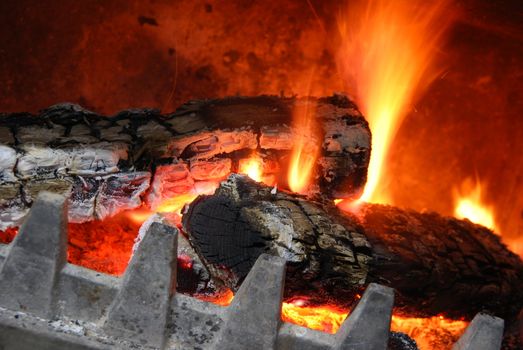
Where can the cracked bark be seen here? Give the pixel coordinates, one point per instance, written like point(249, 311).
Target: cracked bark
point(109, 164)
point(437, 264)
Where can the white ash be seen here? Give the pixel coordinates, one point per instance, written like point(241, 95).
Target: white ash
point(96, 159)
point(276, 224)
point(143, 230)
point(7, 164)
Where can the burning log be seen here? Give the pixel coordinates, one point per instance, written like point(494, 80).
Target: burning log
point(438, 265)
point(109, 164)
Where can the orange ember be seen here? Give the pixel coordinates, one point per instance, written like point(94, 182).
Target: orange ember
point(469, 204)
point(305, 149)
point(431, 333)
point(326, 318)
point(223, 299)
point(104, 246)
point(387, 51)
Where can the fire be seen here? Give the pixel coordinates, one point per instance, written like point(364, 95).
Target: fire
point(387, 52)
point(305, 150)
point(104, 246)
point(470, 205)
point(138, 216)
point(176, 204)
point(252, 167)
point(430, 333)
point(172, 206)
point(223, 299)
point(326, 318)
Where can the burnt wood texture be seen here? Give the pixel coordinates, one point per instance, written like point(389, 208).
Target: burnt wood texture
point(437, 264)
point(109, 164)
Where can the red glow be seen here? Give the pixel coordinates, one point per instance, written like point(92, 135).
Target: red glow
point(222, 299)
point(103, 246)
point(8, 235)
point(185, 262)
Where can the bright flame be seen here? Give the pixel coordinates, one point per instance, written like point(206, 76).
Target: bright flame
point(252, 167)
point(305, 150)
point(138, 216)
point(175, 204)
point(469, 205)
point(387, 49)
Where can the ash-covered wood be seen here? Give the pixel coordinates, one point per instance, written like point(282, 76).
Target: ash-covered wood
point(437, 264)
point(97, 159)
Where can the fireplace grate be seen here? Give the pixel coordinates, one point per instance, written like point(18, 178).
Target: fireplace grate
point(47, 303)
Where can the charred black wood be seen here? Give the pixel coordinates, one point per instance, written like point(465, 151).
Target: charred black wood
point(437, 264)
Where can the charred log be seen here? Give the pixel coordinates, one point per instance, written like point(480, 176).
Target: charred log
point(138, 154)
point(438, 265)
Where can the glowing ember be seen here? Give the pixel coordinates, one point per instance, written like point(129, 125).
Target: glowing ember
point(386, 52)
point(185, 261)
point(8, 235)
point(431, 333)
point(104, 246)
point(252, 167)
point(222, 299)
point(305, 149)
point(326, 318)
point(470, 206)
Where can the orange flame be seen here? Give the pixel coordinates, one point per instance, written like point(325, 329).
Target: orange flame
point(387, 51)
point(469, 205)
point(138, 216)
point(175, 204)
point(252, 167)
point(305, 150)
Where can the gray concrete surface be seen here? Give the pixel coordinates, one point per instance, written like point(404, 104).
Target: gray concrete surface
point(368, 325)
point(139, 310)
point(485, 332)
point(257, 302)
point(36, 257)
